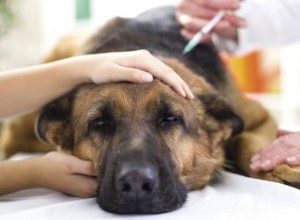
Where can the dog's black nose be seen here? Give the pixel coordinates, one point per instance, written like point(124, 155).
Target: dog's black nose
point(136, 182)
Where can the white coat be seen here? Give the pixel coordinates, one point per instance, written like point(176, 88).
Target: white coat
point(271, 23)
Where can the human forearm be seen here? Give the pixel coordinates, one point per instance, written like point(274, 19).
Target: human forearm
point(30, 88)
point(17, 175)
point(56, 171)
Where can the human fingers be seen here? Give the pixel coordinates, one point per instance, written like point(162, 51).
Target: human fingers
point(290, 157)
point(173, 79)
point(189, 35)
point(282, 132)
point(193, 9)
point(227, 27)
point(220, 4)
point(279, 146)
point(195, 24)
point(139, 76)
point(280, 151)
point(85, 187)
point(293, 160)
point(267, 164)
point(266, 152)
point(82, 167)
point(195, 14)
point(59, 171)
point(235, 20)
point(71, 164)
point(293, 139)
point(124, 73)
point(147, 62)
point(269, 157)
point(192, 5)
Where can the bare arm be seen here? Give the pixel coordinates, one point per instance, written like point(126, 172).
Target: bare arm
point(14, 176)
point(55, 171)
point(25, 90)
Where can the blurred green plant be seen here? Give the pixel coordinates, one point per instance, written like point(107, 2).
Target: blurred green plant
point(6, 16)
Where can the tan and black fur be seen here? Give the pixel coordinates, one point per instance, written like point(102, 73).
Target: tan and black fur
point(149, 145)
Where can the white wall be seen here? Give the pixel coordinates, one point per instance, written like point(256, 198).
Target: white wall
point(22, 44)
point(40, 23)
point(290, 83)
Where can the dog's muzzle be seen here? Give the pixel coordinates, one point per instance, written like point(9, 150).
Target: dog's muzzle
point(140, 183)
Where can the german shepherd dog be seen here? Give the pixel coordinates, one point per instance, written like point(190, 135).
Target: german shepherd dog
point(149, 145)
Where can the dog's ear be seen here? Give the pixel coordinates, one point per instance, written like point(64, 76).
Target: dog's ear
point(218, 108)
point(53, 123)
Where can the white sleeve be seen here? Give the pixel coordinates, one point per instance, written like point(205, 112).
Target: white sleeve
point(271, 23)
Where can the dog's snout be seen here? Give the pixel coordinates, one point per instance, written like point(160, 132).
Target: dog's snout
point(139, 182)
point(136, 182)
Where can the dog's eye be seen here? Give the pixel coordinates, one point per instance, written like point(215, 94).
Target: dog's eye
point(169, 120)
point(98, 123)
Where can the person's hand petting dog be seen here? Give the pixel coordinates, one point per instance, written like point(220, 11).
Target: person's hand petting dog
point(28, 89)
point(284, 150)
point(46, 82)
point(135, 66)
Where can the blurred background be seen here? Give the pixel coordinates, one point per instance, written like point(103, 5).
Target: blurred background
point(28, 30)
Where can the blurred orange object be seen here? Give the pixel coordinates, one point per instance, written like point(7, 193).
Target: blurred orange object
point(254, 72)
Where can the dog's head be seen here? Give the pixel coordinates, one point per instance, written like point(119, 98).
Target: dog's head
point(148, 144)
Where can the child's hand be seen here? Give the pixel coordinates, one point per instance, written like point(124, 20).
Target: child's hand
point(46, 82)
point(67, 174)
point(135, 66)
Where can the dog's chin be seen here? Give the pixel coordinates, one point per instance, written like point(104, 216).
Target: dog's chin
point(166, 199)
